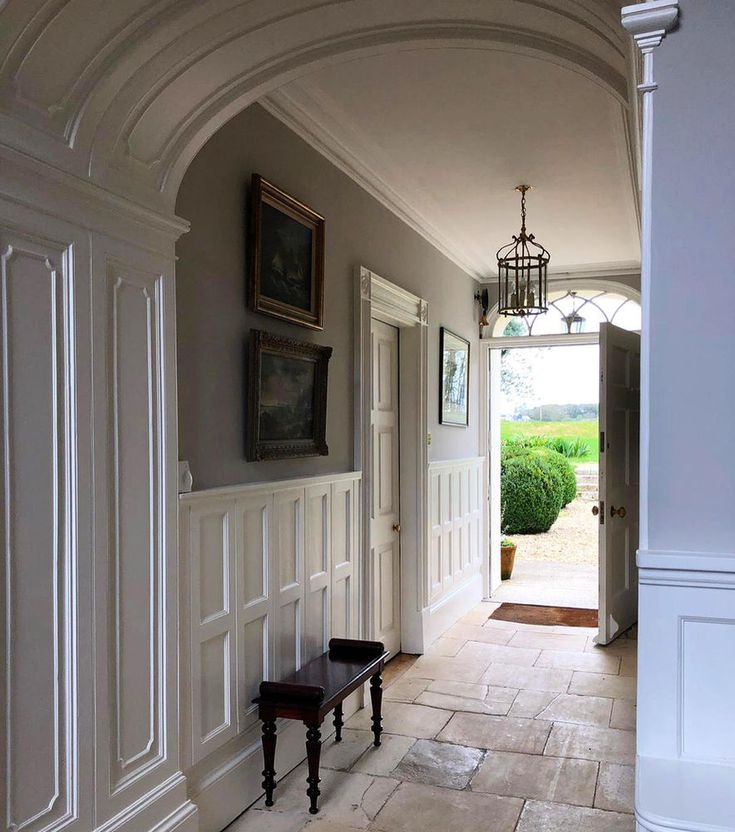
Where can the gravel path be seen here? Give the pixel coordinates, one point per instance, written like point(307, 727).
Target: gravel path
point(572, 539)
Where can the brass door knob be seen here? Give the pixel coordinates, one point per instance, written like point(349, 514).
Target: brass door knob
point(619, 511)
point(396, 527)
point(595, 510)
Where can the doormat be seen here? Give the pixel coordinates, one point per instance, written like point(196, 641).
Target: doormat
point(536, 614)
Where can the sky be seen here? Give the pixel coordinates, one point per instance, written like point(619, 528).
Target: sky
point(558, 375)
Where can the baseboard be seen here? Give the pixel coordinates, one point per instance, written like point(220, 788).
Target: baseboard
point(684, 796)
point(229, 789)
point(440, 616)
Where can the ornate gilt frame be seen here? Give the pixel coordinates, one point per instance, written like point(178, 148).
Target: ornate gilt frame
point(258, 449)
point(263, 192)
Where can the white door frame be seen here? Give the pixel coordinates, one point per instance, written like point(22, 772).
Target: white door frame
point(489, 441)
point(378, 298)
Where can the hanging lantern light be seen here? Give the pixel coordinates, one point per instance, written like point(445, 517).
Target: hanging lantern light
point(522, 267)
point(574, 321)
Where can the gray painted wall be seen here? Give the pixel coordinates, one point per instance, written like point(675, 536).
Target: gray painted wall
point(213, 320)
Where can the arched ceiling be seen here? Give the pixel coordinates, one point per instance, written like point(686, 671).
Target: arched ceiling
point(124, 93)
point(443, 135)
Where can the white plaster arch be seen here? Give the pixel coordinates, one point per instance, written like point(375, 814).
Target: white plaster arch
point(132, 98)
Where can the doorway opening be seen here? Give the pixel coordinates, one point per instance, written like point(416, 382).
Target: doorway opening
point(562, 393)
point(549, 475)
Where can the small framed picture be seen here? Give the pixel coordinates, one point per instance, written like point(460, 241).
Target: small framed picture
point(287, 398)
point(454, 372)
point(286, 257)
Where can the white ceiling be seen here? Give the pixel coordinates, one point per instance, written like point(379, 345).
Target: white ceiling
point(443, 135)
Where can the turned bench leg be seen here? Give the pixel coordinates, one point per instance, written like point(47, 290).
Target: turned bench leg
point(338, 723)
point(269, 757)
point(376, 697)
point(313, 752)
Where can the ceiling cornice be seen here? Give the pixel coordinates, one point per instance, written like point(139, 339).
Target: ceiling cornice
point(309, 119)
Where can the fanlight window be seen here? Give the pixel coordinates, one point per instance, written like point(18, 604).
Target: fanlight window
point(575, 311)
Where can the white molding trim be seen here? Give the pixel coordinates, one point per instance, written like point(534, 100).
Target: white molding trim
point(693, 787)
point(297, 117)
point(648, 23)
point(376, 297)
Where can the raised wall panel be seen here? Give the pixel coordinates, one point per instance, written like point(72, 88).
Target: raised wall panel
point(254, 605)
point(135, 420)
point(212, 530)
point(707, 689)
point(434, 571)
point(38, 535)
point(317, 542)
point(343, 554)
point(456, 549)
point(288, 509)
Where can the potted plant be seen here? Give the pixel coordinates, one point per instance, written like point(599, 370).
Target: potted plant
point(507, 558)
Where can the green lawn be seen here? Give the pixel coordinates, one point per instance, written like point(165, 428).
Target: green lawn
point(587, 430)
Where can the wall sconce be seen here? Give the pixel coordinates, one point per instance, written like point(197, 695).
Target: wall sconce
point(483, 299)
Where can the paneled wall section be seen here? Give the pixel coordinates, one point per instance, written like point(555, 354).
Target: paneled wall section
point(269, 574)
point(457, 491)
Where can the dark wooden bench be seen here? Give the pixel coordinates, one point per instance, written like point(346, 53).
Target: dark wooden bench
point(310, 694)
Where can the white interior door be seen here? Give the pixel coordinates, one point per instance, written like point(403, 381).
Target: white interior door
point(619, 479)
point(385, 518)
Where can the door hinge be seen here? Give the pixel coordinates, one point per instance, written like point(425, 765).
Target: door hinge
point(602, 512)
point(602, 441)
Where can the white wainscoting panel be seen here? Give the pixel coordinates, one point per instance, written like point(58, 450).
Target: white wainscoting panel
point(457, 492)
point(686, 688)
point(40, 643)
point(269, 574)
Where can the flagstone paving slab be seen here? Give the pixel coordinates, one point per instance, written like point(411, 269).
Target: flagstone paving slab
point(416, 807)
point(528, 678)
point(623, 715)
point(615, 788)
point(585, 742)
point(542, 778)
point(596, 684)
point(585, 710)
point(579, 660)
point(403, 718)
point(497, 732)
point(439, 764)
point(382, 760)
point(557, 817)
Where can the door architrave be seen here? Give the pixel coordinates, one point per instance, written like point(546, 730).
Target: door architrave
point(378, 298)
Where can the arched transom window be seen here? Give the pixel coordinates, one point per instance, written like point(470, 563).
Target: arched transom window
point(575, 311)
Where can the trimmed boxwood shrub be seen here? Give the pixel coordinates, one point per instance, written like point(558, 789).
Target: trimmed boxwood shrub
point(530, 492)
point(565, 473)
point(536, 483)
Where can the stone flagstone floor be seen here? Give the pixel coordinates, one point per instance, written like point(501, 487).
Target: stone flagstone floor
point(500, 727)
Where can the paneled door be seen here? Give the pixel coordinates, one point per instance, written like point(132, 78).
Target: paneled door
point(619, 480)
point(385, 527)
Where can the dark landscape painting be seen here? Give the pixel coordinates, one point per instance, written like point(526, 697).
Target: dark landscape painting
point(287, 397)
point(286, 256)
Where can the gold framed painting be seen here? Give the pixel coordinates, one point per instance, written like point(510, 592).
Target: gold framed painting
point(286, 243)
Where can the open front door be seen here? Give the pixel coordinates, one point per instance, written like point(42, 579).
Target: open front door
point(619, 479)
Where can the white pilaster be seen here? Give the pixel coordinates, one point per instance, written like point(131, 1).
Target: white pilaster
point(89, 577)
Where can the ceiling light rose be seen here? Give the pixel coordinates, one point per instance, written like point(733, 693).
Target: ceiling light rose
point(522, 271)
